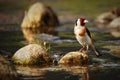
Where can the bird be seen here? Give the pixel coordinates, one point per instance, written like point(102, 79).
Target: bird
point(83, 36)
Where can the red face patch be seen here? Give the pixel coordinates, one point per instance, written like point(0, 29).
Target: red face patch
point(82, 21)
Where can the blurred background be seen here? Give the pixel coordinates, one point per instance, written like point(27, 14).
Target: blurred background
point(12, 13)
point(104, 24)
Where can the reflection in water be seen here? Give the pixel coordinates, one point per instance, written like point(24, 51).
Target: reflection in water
point(69, 73)
point(85, 74)
point(82, 72)
point(53, 73)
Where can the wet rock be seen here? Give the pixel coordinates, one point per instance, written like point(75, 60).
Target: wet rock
point(40, 18)
point(32, 54)
point(115, 33)
point(7, 71)
point(109, 22)
point(115, 23)
point(115, 27)
point(116, 11)
point(56, 58)
point(74, 58)
point(115, 52)
point(104, 19)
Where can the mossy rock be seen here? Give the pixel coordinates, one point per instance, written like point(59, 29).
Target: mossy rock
point(32, 54)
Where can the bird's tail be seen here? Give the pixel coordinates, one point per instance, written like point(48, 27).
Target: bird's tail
point(96, 51)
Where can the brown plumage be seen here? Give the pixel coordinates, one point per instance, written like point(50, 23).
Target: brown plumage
point(82, 33)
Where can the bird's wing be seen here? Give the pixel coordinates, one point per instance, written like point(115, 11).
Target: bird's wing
point(88, 32)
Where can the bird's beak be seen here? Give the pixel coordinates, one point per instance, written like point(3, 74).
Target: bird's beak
point(85, 21)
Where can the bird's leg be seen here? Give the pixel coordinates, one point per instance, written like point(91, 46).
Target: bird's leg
point(81, 50)
point(87, 47)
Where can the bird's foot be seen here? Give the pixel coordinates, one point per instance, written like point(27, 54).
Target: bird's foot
point(81, 50)
point(86, 51)
point(99, 55)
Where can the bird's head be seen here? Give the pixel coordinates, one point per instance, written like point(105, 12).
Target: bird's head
point(81, 22)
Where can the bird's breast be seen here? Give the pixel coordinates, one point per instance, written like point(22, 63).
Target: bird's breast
point(80, 31)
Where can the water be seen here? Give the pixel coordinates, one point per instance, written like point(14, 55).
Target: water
point(106, 67)
point(95, 72)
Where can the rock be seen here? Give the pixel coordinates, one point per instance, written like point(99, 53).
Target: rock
point(40, 18)
point(115, 23)
point(104, 19)
point(115, 27)
point(56, 58)
point(116, 11)
point(116, 33)
point(7, 71)
point(115, 51)
point(109, 22)
point(32, 54)
point(74, 58)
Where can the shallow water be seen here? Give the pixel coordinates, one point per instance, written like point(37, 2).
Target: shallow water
point(106, 67)
point(97, 72)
